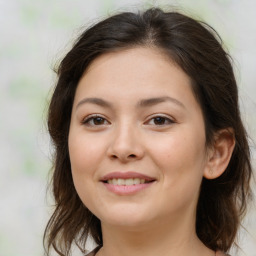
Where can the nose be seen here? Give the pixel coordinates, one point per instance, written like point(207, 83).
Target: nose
point(126, 145)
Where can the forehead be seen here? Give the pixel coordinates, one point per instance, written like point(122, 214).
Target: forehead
point(125, 79)
point(134, 74)
point(138, 55)
point(143, 67)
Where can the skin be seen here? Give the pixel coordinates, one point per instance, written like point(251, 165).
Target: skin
point(164, 140)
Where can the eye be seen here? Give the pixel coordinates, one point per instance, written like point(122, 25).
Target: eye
point(160, 121)
point(95, 120)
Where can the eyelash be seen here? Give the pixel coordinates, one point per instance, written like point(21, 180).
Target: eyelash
point(88, 119)
point(161, 118)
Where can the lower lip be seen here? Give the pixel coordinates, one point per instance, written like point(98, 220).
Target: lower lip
point(127, 190)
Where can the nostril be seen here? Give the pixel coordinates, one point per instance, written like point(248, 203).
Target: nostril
point(124, 157)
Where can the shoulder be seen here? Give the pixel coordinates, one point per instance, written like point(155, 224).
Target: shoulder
point(219, 253)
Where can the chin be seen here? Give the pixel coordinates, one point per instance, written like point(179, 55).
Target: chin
point(129, 218)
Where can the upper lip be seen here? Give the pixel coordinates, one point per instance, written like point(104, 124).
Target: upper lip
point(126, 175)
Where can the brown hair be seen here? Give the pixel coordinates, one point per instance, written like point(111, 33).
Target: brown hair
point(197, 49)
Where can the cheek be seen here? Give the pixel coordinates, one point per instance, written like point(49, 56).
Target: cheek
point(181, 164)
point(85, 156)
point(180, 157)
point(85, 153)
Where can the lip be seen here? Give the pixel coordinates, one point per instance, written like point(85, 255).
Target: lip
point(126, 175)
point(127, 190)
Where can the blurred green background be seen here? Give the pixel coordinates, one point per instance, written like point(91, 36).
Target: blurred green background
point(34, 35)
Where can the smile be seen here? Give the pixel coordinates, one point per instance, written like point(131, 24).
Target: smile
point(126, 183)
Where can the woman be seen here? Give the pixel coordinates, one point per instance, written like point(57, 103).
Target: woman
point(151, 155)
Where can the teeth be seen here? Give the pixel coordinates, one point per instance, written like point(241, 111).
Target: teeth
point(126, 182)
point(121, 182)
point(137, 181)
point(129, 182)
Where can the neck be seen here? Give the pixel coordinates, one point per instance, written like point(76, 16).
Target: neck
point(176, 240)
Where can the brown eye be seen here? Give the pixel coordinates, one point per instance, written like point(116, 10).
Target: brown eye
point(95, 121)
point(160, 121)
point(98, 120)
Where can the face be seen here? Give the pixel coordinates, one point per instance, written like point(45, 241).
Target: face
point(137, 140)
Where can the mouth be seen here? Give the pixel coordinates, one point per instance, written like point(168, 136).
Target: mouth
point(126, 178)
point(126, 182)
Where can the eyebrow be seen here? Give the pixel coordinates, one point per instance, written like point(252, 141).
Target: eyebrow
point(142, 103)
point(96, 101)
point(153, 101)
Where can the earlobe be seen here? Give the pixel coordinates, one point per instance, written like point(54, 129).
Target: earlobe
point(220, 153)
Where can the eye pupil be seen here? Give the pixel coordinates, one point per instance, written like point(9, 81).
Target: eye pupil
point(98, 120)
point(159, 120)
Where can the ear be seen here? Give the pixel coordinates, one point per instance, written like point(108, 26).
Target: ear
point(220, 153)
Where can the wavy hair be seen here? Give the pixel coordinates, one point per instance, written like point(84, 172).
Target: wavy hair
point(197, 49)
